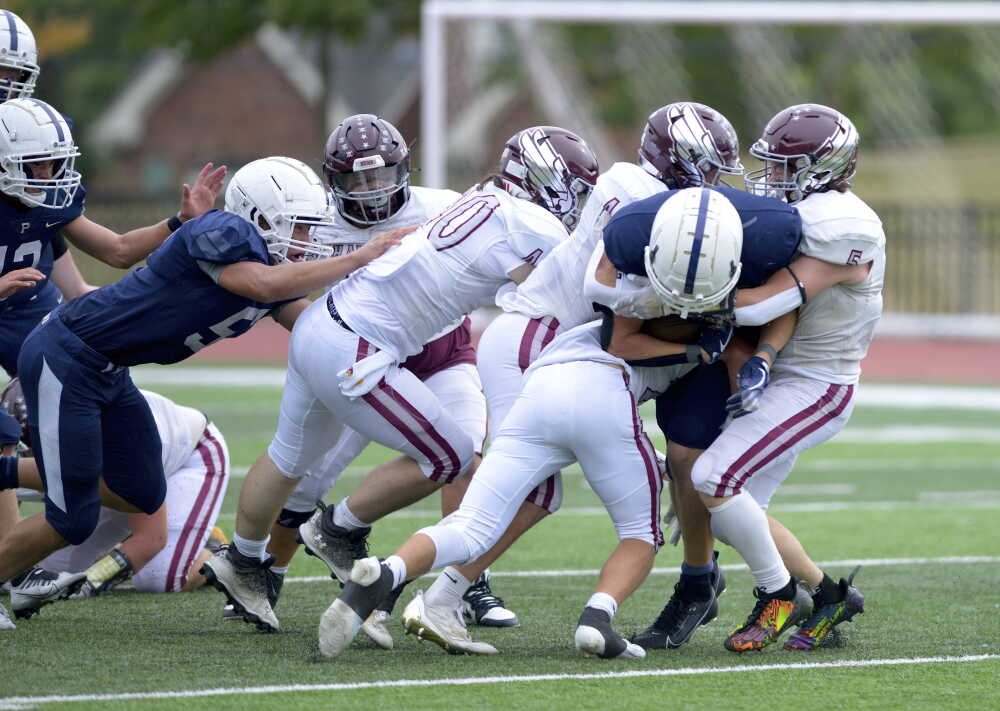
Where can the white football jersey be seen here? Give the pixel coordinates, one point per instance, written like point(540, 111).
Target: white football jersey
point(584, 343)
point(836, 326)
point(180, 430)
point(556, 287)
point(449, 267)
point(423, 204)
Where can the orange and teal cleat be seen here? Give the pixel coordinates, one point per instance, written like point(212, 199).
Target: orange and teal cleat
point(770, 617)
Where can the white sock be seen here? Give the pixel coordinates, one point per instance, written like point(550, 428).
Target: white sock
point(343, 517)
point(398, 567)
point(249, 548)
point(603, 601)
point(279, 569)
point(741, 523)
point(448, 589)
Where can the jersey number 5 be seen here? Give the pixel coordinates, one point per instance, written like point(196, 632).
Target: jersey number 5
point(223, 329)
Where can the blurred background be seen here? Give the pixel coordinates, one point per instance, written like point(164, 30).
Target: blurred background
point(155, 89)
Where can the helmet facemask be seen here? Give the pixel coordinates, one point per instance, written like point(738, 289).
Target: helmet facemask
point(371, 195)
point(18, 171)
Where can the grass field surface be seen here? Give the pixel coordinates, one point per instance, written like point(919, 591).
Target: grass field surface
point(910, 493)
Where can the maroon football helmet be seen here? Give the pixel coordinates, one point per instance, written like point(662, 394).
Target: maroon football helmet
point(367, 165)
point(687, 145)
point(806, 148)
point(551, 167)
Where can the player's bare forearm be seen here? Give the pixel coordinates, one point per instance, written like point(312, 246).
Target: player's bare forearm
point(66, 276)
point(814, 274)
point(288, 314)
point(630, 344)
point(117, 250)
point(775, 335)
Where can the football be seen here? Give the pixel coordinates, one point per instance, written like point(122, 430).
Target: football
point(672, 329)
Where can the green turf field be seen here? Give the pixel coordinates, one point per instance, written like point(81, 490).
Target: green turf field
point(913, 494)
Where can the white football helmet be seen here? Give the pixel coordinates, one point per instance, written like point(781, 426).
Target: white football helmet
point(31, 133)
point(275, 195)
point(18, 52)
point(693, 257)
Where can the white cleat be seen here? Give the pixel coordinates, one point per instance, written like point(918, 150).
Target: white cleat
point(40, 587)
point(590, 641)
point(376, 630)
point(442, 626)
point(341, 622)
point(6, 623)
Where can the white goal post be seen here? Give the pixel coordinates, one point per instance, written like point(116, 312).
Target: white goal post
point(436, 13)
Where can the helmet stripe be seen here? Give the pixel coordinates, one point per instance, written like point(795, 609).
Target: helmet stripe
point(56, 119)
point(699, 233)
point(12, 27)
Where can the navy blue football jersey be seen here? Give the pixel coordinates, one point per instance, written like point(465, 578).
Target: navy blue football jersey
point(772, 230)
point(26, 235)
point(171, 308)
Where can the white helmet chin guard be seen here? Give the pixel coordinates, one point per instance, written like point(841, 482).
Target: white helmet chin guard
point(275, 195)
point(32, 134)
point(693, 257)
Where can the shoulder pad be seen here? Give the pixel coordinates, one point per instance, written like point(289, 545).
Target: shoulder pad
point(532, 231)
point(223, 238)
point(839, 228)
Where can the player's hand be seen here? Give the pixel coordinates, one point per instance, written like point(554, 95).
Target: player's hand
point(752, 379)
point(381, 243)
point(198, 199)
point(713, 341)
point(18, 279)
point(364, 375)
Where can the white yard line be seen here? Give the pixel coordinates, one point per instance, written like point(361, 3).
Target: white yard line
point(27, 702)
point(732, 567)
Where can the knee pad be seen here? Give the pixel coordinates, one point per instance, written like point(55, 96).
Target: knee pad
point(446, 469)
point(152, 578)
point(452, 546)
point(283, 464)
point(641, 531)
point(704, 476)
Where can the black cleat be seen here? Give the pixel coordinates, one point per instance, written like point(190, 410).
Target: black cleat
point(335, 546)
point(481, 607)
point(678, 620)
point(244, 582)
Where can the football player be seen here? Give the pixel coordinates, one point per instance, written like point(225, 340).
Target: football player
point(162, 552)
point(367, 167)
point(803, 398)
point(683, 144)
point(368, 325)
point(218, 275)
point(579, 403)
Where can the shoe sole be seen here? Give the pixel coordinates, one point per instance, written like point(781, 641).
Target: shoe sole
point(240, 611)
point(381, 637)
point(338, 627)
point(29, 612)
point(496, 624)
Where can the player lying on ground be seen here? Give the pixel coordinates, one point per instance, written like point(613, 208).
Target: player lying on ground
point(367, 167)
point(162, 552)
point(371, 323)
point(578, 404)
point(217, 276)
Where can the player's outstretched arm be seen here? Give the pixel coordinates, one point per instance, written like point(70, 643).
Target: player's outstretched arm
point(125, 250)
point(268, 284)
point(789, 288)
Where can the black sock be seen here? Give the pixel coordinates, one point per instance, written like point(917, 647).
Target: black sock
point(826, 592)
point(787, 592)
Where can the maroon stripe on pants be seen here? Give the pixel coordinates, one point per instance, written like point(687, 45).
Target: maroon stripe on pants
point(220, 481)
point(773, 434)
point(192, 520)
point(524, 351)
point(652, 470)
point(804, 433)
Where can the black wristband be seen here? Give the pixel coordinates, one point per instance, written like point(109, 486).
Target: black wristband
point(174, 223)
point(799, 284)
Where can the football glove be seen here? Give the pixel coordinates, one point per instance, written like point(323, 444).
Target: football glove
point(110, 570)
point(714, 340)
point(364, 375)
point(752, 379)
